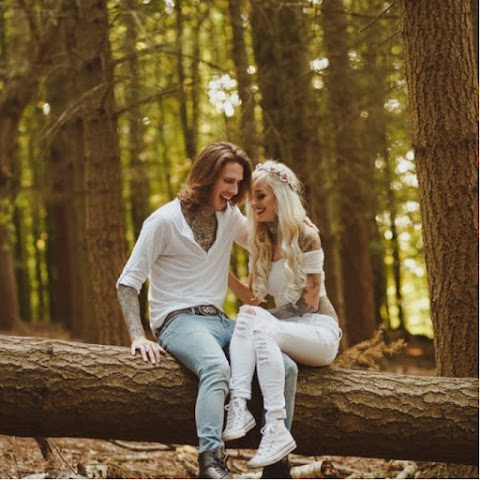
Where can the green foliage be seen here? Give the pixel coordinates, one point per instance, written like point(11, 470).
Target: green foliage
point(148, 93)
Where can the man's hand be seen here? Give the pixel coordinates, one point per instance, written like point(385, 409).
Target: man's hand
point(150, 351)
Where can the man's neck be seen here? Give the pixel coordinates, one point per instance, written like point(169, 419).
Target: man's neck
point(203, 222)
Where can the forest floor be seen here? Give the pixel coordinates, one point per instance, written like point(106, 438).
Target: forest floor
point(88, 458)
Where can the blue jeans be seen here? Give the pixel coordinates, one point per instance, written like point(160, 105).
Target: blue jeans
point(199, 343)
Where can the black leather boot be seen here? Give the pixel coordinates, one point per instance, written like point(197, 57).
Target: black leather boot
point(212, 464)
point(280, 469)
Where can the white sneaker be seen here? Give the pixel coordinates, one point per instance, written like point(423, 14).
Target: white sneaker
point(277, 442)
point(239, 420)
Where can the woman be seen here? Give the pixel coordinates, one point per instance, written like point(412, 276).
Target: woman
point(286, 261)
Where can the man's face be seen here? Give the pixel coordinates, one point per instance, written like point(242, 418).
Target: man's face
point(226, 186)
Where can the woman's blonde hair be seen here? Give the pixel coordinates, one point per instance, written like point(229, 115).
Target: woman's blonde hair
point(291, 215)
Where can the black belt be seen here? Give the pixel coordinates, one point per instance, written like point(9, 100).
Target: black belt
point(205, 310)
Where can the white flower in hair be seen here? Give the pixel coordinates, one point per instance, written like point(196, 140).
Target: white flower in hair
point(279, 172)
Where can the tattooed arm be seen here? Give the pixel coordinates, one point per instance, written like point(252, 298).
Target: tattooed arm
point(325, 307)
point(309, 241)
point(128, 298)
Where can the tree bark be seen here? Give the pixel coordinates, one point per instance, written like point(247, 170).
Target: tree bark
point(248, 125)
point(291, 124)
point(443, 95)
point(67, 257)
point(358, 281)
point(474, 17)
point(17, 91)
point(104, 223)
point(70, 282)
point(188, 133)
point(138, 173)
point(377, 145)
point(56, 388)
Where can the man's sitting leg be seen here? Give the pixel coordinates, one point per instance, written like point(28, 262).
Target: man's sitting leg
point(198, 342)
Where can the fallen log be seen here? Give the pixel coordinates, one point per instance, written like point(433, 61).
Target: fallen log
point(51, 388)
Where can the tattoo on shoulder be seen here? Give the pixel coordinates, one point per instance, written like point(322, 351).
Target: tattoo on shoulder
point(309, 240)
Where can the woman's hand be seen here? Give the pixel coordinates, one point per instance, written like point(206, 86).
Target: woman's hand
point(150, 351)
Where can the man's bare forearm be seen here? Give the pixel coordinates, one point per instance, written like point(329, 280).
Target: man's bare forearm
point(128, 298)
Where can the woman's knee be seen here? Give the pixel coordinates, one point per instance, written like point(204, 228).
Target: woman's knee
point(265, 342)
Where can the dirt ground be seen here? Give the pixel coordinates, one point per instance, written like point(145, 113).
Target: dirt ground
point(87, 458)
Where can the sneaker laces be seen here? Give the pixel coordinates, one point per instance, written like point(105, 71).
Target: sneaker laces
point(235, 411)
point(268, 437)
point(221, 465)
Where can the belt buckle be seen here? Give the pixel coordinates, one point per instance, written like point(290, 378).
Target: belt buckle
point(208, 310)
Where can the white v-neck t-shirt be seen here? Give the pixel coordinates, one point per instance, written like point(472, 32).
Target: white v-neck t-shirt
point(181, 273)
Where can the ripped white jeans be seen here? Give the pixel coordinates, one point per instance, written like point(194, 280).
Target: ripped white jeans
point(258, 341)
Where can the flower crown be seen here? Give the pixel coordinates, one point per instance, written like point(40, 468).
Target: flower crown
point(279, 172)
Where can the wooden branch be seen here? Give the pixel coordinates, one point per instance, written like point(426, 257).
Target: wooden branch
point(55, 388)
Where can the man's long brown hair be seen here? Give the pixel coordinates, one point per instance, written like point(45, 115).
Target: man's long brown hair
point(205, 171)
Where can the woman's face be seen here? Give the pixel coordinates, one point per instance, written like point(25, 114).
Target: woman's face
point(263, 201)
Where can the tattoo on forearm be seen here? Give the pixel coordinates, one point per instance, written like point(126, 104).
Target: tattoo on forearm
point(128, 298)
point(290, 310)
point(325, 307)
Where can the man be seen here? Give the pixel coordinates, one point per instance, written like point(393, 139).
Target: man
point(184, 250)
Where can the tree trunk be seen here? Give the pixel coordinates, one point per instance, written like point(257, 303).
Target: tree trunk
point(394, 243)
point(248, 126)
point(290, 116)
point(352, 172)
point(64, 155)
point(55, 388)
point(188, 133)
point(375, 72)
point(137, 155)
point(104, 234)
point(443, 91)
point(71, 287)
point(19, 88)
point(268, 56)
point(474, 17)
point(21, 266)
point(9, 316)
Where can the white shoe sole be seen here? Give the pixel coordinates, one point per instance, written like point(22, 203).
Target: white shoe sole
point(285, 450)
point(227, 436)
